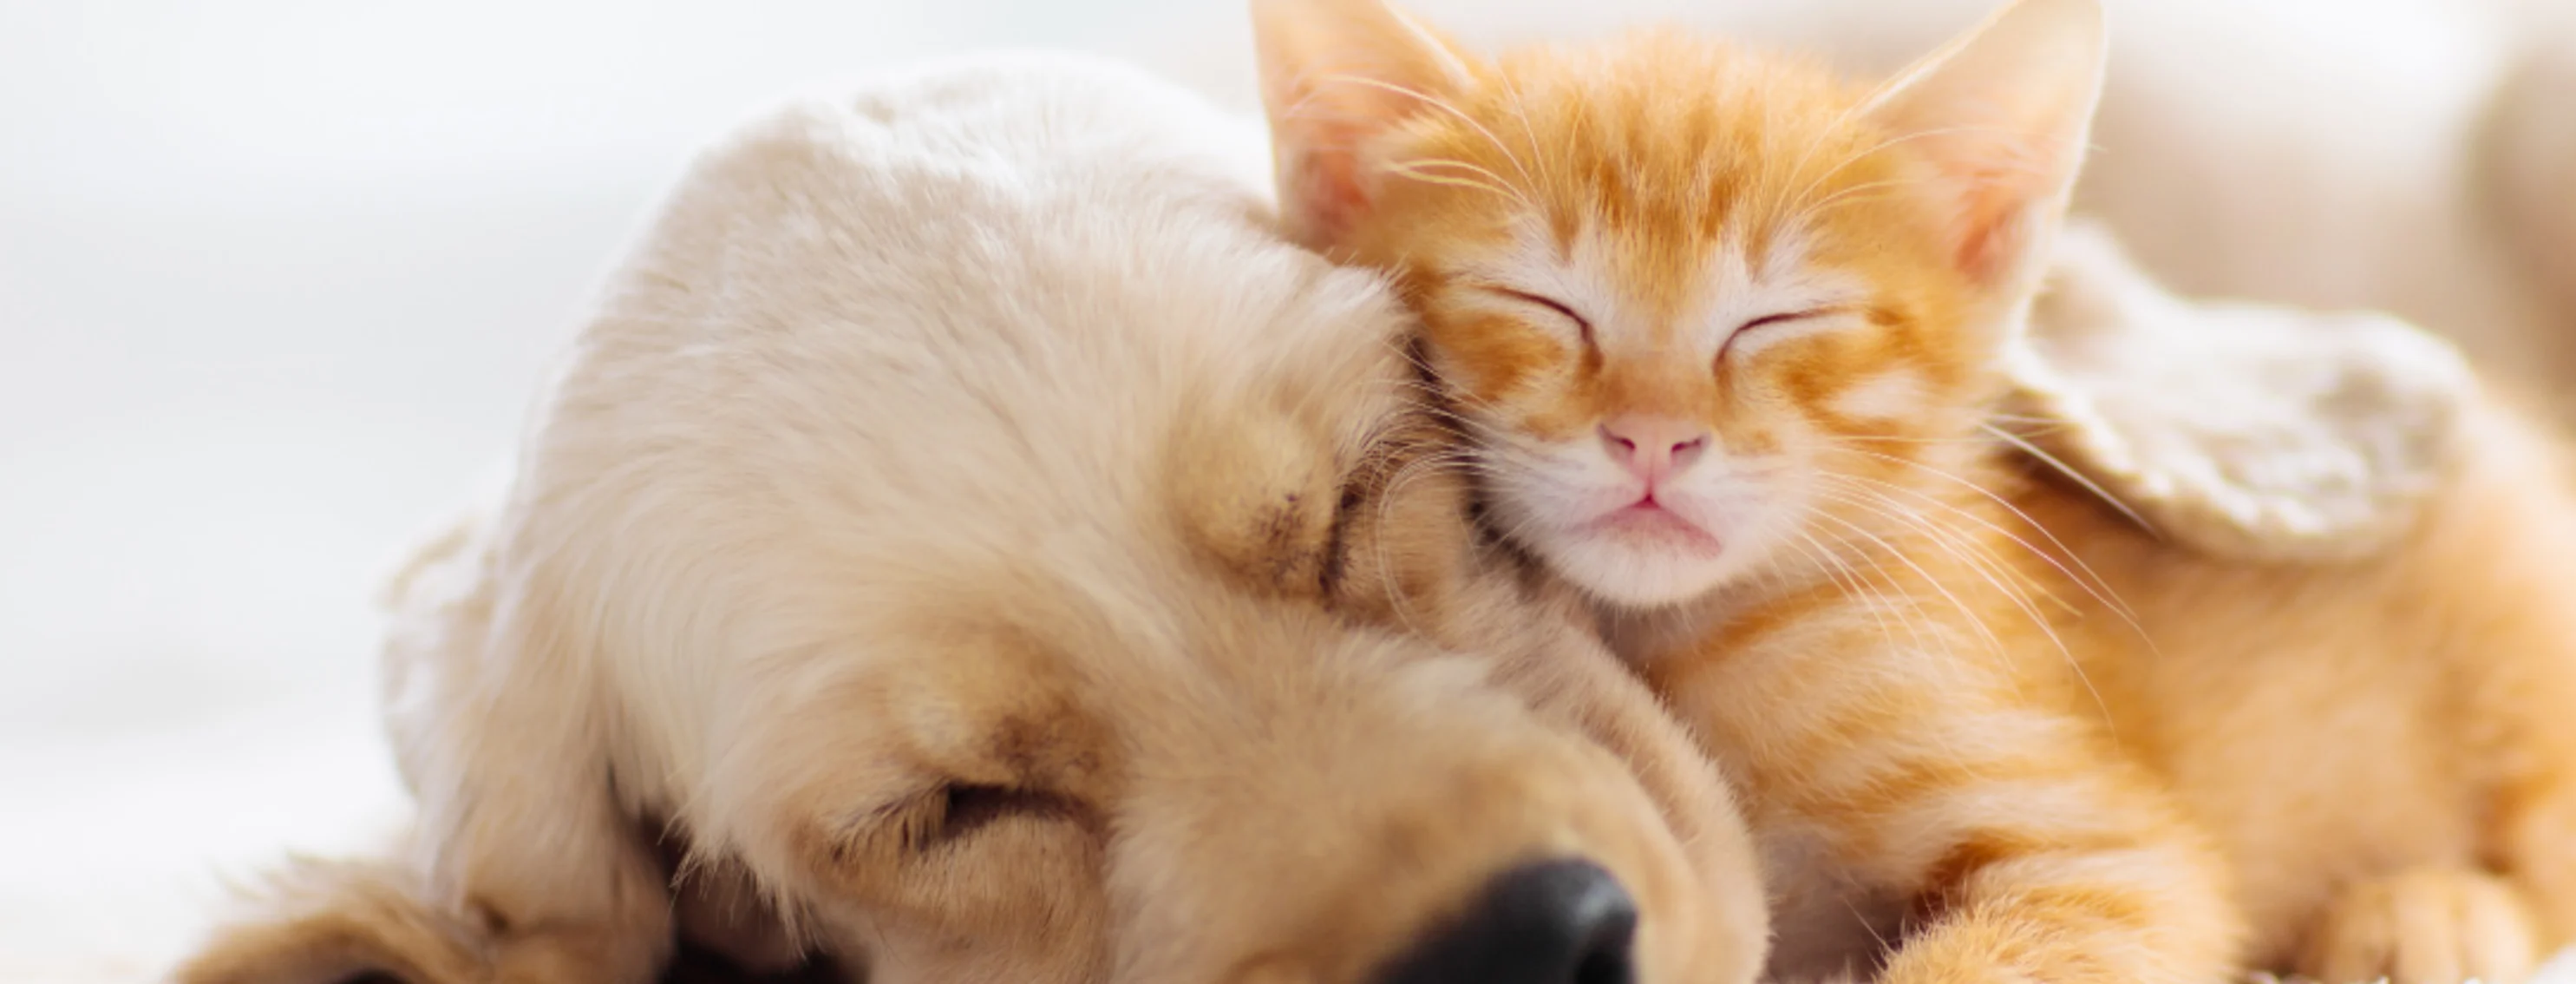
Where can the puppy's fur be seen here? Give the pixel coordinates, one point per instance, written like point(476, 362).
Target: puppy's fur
point(951, 549)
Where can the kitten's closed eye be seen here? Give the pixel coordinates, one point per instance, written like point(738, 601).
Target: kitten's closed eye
point(1582, 325)
point(1760, 329)
point(1768, 329)
point(1775, 319)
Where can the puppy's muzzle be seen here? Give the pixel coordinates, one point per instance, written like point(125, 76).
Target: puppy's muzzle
point(1553, 922)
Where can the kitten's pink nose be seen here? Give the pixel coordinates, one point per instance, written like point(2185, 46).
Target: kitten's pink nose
point(1653, 447)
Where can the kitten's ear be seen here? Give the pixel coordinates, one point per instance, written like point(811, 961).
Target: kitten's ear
point(2003, 113)
point(1336, 75)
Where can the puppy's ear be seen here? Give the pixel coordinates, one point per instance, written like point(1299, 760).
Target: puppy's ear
point(332, 922)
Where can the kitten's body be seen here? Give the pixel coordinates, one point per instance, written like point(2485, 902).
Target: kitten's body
point(1727, 335)
point(2382, 749)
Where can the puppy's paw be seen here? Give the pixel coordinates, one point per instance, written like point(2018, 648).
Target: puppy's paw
point(326, 922)
point(2424, 926)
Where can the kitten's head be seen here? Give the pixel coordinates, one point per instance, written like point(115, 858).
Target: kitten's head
point(1706, 311)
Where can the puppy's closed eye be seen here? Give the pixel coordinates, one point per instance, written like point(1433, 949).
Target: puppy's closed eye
point(951, 814)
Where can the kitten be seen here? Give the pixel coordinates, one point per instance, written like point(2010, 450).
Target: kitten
point(1724, 330)
point(1724, 333)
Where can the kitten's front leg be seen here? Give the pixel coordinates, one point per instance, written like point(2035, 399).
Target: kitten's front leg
point(2061, 875)
point(2068, 913)
point(2027, 849)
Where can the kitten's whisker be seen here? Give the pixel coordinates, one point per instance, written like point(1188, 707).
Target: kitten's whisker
point(1959, 545)
point(1961, 548)
point(1902, 439)
point(1825, 557)
point(1957, 542)
point(1445, 106)
point(1864, 153)
point(2020, 601)
point(1433, 386)
point(1388, 494)
point(2081, 574)
point(2069, 471)
point(1781, 199)
point(1512, 96)
point(1817, 208)
point(1421, 170)
point(1824, 564)
point(2109, 597)
point(1994, 642)
point(1878, 604)
point(1433, 397)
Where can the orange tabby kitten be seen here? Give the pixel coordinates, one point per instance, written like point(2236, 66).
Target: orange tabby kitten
point(1724, 334)
point(1720, 324)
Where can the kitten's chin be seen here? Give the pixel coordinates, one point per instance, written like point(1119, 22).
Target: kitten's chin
point(1631, 572)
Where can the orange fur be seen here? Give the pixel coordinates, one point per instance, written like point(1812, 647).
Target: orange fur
point(1804, 286)
point(1987, 728)
point(2381, 748)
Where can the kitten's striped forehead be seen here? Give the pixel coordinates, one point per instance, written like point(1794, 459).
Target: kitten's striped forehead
point(1671, 194)
point(1681, 176)
point(1679, 141)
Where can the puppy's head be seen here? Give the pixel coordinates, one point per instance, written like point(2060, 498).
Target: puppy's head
point(1022, 622)
point(1176, 712)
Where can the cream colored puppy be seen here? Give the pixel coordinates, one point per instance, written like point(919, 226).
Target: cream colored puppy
point(951, 549)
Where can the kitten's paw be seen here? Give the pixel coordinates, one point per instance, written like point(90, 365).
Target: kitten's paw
point(2424, 926)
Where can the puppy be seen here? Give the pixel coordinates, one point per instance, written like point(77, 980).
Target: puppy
point(969, 544)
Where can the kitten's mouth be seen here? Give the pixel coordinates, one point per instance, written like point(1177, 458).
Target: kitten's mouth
point(1648, 522)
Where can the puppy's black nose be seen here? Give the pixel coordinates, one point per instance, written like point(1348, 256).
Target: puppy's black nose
point(1555, 922)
